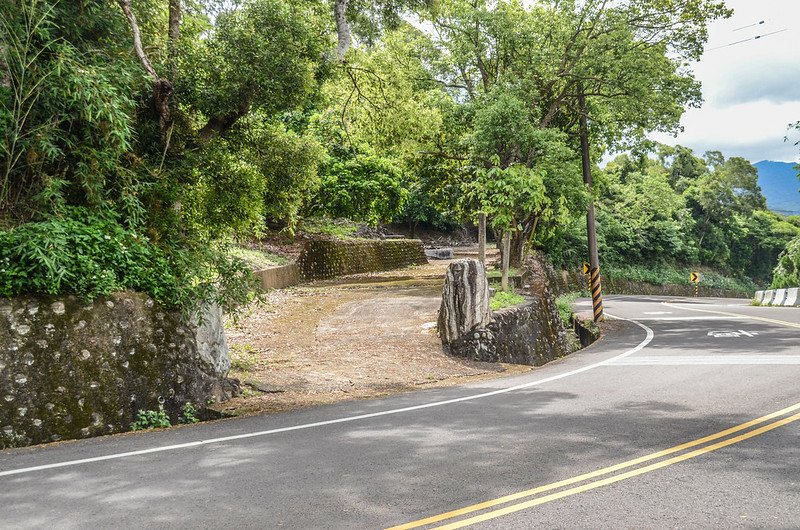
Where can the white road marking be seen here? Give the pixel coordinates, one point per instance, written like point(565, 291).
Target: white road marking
point(658, 312)
point(731, 334)
point(686, 360)
point(346, 419)
point(665, 319)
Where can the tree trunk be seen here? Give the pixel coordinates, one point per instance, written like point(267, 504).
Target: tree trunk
point(162, 87)
point(518, 243)
point(174, 35)
point(218, 125)
point(342, 28)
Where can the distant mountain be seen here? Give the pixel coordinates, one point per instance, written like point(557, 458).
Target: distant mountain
point(779, 184)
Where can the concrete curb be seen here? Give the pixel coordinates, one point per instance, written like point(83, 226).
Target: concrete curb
point(779, 297)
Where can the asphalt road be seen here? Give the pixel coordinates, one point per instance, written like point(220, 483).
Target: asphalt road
point(687, 417)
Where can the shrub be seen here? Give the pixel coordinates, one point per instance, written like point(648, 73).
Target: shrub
point(364, 188)
point(564, 305)
point(151, 419)
point(93, 254)
point(787, 273)
point(188, 414)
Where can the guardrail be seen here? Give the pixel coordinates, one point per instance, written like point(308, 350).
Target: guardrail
point(779, 297)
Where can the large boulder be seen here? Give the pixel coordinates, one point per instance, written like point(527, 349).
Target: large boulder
point(465, 300)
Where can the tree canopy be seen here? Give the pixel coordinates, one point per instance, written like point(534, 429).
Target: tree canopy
point(171, 127)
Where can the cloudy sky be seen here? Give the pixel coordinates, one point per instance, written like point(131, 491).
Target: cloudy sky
point(751, 89)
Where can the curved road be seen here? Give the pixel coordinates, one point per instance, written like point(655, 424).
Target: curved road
point(687, 415)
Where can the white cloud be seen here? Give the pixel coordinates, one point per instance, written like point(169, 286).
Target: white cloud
point(751, 89)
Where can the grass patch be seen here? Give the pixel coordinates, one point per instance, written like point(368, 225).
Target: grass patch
point(498, 273)
point(503, 299)
point(258, 259)
point(564, 305)
point(338, 228)
point(243, 357)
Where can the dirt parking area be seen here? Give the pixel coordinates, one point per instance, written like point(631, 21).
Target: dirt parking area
point(356, 337)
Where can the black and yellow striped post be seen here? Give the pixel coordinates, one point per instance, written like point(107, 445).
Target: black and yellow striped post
point(597, 294)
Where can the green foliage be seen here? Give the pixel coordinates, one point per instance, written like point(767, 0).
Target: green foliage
point(264, 55)
point(151, 419)
point(66, 115)
point(661, 274)
point(91, 254)
point(564, 305)
point(504, 194)
point(503, 299)
point(290, 164)
point(677, 210)
point(787, 272)
point(257, 259)
point(338, 228)
point(188, 414)
point(494, 274)
point(364, 188)
point(86, 254)
point(228, 195)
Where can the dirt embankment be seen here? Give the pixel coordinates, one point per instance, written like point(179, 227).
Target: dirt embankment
point(357, 337)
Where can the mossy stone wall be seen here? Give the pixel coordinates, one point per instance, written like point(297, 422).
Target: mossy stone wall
point(71, 369)
point(530, 333)
point(328, 258)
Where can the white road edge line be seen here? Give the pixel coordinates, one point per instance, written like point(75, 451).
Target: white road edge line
point(346, 419)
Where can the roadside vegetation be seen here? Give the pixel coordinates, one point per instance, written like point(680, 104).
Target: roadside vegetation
point(128, 164)
point(564, 305)
point(503, 299)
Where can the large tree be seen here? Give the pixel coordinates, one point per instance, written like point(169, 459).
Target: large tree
point(627, 59)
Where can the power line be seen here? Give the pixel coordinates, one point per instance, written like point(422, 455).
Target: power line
point(746, 40)
point(750, 25)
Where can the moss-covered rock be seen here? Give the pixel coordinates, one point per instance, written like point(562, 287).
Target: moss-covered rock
point(71, 369)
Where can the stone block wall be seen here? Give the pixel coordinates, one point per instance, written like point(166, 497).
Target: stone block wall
point(530, 333)
point(327, 258)
point(71, 369)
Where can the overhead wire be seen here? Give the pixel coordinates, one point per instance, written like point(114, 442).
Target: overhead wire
point(749, 25)
point(748, 39)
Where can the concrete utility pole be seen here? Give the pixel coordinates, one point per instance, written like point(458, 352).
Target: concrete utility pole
point(482, 238)
point(594, 259)
point(506, 257)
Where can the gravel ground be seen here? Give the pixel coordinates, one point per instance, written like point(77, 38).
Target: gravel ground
point(357, 337)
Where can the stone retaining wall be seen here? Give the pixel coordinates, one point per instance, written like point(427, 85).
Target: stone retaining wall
point(69, 369)
point(530, 333)
point(328, 258)
point(279, 277)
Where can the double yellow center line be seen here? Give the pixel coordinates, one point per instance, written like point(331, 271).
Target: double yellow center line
point(489, 514)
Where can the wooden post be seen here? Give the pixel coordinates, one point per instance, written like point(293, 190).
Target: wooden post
point(482, 238)
point(506, 256)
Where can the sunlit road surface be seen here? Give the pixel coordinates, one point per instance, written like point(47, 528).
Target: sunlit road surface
point(687, 415)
